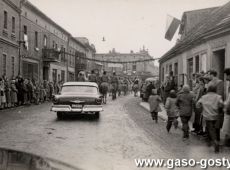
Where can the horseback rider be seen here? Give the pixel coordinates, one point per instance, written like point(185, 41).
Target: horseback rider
point(114, 82)
point(104, 86)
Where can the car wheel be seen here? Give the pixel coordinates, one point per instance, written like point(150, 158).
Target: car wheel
point(97, 115)
point(59, 115)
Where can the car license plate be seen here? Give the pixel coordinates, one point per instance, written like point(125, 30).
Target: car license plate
point(76, 105)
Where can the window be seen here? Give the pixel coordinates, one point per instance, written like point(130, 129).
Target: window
point(4, 64)
point(12, 62)
point(176, 72)
point(53, 44)
point(62, 75)
point(190, 68)
point(36, 39)
point(45, 41)
point(5, 19)
point(13, 24)
point(163, 74)
point(54, 74)
point(134, 67)
point(70, 59)
point(25, 29)
point(197, 64)
point(170, 68)
point(56, 46)
point(63, 54)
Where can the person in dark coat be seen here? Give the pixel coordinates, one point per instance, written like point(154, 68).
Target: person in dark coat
point(149, 89)
point(19, 86)
point(185, 104)
point(13, 93)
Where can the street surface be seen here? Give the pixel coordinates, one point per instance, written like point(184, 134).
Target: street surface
point(123, 133)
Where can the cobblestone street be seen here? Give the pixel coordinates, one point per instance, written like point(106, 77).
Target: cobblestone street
point(124, 132)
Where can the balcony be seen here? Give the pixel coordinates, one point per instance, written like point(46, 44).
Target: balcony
point(51, 55)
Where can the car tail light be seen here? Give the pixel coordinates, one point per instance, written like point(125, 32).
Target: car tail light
point(98, 101)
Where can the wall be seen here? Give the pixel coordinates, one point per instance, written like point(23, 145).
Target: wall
point(8, 40)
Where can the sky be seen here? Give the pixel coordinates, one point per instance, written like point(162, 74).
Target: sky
point(126, 24)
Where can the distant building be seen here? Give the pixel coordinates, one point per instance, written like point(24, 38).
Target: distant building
point(9, 36)
point(204, 45)
point(128, 69)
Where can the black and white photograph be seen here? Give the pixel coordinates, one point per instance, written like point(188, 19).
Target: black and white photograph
point(114, 84)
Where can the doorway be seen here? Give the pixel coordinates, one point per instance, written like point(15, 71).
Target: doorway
point(218, 62)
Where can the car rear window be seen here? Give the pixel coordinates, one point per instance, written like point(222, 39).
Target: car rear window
point(78, 90)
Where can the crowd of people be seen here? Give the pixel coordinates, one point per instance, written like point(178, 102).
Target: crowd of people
point(113, 84)
point(21, 91)
point(204, 98)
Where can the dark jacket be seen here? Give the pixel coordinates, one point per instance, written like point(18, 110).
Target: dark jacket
point(185, 103)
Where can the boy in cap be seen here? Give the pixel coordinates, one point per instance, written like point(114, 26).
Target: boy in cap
point(185, 105)
point(154, 103)
point(172, 110)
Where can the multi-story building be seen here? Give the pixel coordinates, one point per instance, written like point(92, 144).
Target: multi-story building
point(205, 45)
point(89, 53)
point(76, 49)
point(9, 36)
point(41, 56)
point(130, 68)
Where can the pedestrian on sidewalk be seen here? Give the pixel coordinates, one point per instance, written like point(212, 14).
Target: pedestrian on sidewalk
point(13, 93)
point(212, 106)
point(185, 105)
point(154, 103)
point(197, 124)
point(172, 110)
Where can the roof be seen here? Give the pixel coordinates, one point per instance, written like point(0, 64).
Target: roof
point(192, 18)
point(80, 84)
point(215, 25)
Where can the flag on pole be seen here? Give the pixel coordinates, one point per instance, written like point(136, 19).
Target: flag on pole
point(172, 24)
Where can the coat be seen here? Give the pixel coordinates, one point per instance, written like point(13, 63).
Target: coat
point(154, 103)
point(171, 107)
point(211, 104)
point(13, 94)
point(185, 103)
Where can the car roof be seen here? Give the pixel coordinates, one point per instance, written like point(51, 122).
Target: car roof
point(80, 84)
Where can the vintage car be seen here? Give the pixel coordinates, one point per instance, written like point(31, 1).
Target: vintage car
point(78, 98)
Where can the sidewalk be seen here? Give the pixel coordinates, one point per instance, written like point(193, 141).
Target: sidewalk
point(163, 114)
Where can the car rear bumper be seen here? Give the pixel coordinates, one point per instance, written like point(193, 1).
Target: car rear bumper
point(67, 108)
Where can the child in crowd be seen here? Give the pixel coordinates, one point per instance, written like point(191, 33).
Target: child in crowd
point(172, 110)
point(185, 104)
point(154, 103)
point(212, 105)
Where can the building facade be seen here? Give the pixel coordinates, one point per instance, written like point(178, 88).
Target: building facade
point(128, 69)
point(205, 47)
point(89, 53)
point(9, 36)
point(76, 49)
point(34, 46)
point(44, 40)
